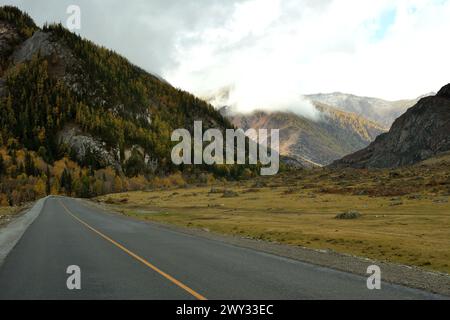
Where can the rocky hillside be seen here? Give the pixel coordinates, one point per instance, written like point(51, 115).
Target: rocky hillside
point(421, 133)
point(61, 94)
point(378, 110)
point(79, 119)
point(313, 143)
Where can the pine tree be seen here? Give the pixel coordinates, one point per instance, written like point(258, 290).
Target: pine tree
point(30, 168)
point(85, 191)
point(48, 183)
point(2, 165)
point(66, 182)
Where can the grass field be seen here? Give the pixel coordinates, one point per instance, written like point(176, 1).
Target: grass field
point(405, 214)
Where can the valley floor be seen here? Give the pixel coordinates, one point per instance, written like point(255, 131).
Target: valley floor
point(400, 222)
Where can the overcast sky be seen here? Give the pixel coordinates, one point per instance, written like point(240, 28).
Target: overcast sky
point(271, 51)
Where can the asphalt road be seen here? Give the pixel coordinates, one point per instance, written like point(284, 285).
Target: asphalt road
point(122, 258)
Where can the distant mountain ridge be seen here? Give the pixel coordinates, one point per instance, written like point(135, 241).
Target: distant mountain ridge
point(312, 142)
point(419, 134)
point(381, 111)
point(378, 110)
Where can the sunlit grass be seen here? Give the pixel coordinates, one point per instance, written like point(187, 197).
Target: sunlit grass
point(402, 229)
point(405, 213)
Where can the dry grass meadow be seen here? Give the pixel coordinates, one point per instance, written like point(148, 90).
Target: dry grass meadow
point(405, 213)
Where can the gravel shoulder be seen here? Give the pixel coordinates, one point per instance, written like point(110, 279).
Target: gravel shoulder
point(408, 276)
point(9, 214)
point(15, 226)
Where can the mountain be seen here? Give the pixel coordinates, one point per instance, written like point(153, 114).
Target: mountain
point(312, 142)
point(381, 111)
point(419, 134)
point(56, 86)
point(74, 112)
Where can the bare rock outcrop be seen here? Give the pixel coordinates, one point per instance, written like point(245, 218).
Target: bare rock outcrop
point(84, 145)
point(421, 133)
point(8, 37)
point(444, 92)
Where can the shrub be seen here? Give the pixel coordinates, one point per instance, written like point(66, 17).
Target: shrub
point(349, 215)
point(230, 194)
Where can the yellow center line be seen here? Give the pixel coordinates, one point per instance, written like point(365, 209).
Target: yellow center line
point(142, 260)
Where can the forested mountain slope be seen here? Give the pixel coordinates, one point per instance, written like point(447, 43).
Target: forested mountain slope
point(63, 98)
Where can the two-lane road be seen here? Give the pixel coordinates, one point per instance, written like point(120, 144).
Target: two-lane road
point(122, 258)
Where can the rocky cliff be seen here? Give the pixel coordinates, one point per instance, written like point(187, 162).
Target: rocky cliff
point(421, 133)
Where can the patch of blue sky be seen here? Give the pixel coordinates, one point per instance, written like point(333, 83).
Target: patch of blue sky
point(441, 2)
point(435, 3)
point(385, 21)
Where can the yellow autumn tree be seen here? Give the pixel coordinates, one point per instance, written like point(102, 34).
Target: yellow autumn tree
point(39, 188)
point(118, 185)
point(3, 200)
point(54, 190)
point(98, 188)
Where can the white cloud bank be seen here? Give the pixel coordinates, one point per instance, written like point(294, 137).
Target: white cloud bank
point(272, 51)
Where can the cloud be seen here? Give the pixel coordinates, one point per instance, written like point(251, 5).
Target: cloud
point(144, 31)
point(273, 51)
